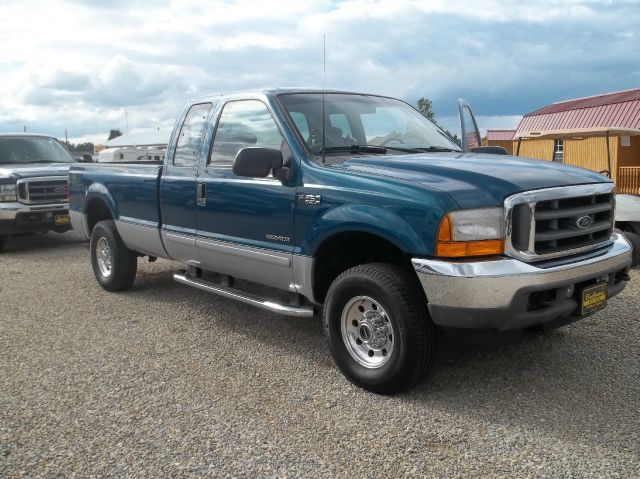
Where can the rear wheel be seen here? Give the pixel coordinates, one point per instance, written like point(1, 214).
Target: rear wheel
point(3, 243)
point(114, 265)
point(380, 334)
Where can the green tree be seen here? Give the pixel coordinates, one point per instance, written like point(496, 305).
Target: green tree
point(114, 134)
point(83, 147)
point(424, 106)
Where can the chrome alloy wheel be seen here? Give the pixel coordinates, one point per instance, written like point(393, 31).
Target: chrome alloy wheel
point(367, 332)
point(104, 257)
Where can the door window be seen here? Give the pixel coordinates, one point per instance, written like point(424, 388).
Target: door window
point(242, 124)
point(189, 144)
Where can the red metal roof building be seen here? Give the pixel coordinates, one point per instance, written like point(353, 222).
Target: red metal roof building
point(501, 138)
point(600, 132)
point(500, 135)
point(619, 111)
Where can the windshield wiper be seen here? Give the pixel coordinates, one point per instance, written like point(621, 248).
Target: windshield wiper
point(355, 149)
point(420, 149)
point(436, 148)
point(383, 149)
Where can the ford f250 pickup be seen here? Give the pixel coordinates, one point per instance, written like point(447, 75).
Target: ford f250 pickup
point(34, 171)
point(357, 206)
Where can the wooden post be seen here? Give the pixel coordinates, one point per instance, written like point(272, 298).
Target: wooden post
point(608, 155)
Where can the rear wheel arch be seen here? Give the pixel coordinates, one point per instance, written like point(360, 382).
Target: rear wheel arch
point(114, 265)
point(97, 210)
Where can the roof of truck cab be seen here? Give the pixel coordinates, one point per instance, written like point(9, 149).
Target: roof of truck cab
point(283, 91)
point(28, 134)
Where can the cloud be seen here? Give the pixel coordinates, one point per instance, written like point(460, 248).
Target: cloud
point(79, 65)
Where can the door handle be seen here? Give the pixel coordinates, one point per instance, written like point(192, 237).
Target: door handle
point(201, 194)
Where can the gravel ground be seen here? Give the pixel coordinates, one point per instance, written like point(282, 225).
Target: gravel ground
point(165, 381)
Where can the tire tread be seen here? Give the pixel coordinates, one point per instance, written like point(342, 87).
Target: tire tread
point(421, 332)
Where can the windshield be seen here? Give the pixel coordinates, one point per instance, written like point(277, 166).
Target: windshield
point(32, 149)
point(363, 124)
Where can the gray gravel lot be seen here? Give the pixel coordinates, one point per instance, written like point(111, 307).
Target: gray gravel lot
point(165, 381)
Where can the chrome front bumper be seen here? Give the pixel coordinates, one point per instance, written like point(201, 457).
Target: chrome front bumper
point(9, 210)
point(15, 216)
point(497, 293)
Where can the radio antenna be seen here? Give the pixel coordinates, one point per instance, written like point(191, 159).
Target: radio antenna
point(324, 70)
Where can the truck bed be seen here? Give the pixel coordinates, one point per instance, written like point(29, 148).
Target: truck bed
point(131, 189)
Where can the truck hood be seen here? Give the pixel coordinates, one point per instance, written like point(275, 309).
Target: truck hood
point(28, 170)
point(473, 180)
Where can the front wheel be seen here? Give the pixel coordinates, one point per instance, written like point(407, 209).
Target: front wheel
point(380, 333)
point(3, 243)
point(114, 265)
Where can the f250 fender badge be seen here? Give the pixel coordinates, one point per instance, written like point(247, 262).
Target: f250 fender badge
point(283, 239)
point(310, 199)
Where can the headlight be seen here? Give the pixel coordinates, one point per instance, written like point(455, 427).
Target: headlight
point(8, 192)
point(476, 232)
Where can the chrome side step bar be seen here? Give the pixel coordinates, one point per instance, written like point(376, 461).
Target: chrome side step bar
point(247, 298)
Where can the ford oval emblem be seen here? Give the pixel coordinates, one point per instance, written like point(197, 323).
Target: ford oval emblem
point(60, 189)
point(584, 222)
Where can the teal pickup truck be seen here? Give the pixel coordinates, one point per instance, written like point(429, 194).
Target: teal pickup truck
point(357, 207)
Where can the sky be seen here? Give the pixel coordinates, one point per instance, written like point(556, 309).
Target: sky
point(90, 66)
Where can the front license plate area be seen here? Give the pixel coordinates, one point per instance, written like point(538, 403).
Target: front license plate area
point(61, 220)
point(593, 298)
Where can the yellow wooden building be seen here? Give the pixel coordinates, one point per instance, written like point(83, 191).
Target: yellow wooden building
point(601, 133)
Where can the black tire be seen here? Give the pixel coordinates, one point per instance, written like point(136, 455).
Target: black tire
point(3, 243)
point(123, 262)
point(412, 335)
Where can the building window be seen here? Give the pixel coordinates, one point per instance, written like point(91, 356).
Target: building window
point(558, 151)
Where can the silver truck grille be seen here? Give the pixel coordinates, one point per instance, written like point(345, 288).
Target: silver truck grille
point(52, 189)
point(557, 222)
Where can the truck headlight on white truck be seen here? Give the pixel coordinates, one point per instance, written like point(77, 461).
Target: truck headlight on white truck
point(8, 192)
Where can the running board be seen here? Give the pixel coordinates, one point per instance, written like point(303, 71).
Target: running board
point(247, 298)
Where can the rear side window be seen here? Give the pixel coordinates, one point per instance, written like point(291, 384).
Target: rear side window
point(189, 143)
point(242, 124)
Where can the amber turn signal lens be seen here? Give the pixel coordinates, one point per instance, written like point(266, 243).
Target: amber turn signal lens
point(458, 249)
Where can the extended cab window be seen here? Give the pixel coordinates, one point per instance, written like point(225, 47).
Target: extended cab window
point(189, 142)
point(242, 124)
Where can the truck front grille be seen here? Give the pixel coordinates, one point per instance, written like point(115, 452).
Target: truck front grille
point(45, 190)
point(557, 222)
point(572, 222)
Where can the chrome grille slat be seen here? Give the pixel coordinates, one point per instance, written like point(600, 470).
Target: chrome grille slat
point(570, 212)
point(561, 234)
point(42, 190)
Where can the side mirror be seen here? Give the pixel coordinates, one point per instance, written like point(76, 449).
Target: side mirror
point(256, 162)
point(494, 150)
